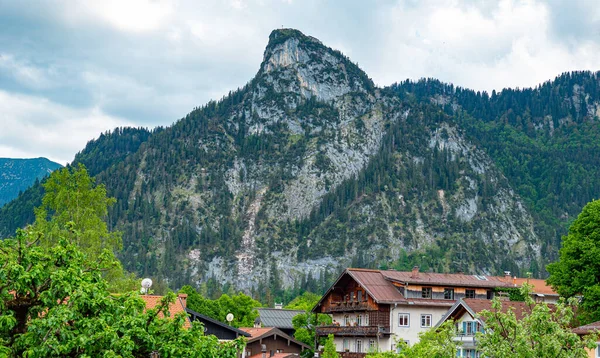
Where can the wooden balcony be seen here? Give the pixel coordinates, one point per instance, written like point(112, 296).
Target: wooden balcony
point(347, 306)
point(353, 331)
point(352, 355)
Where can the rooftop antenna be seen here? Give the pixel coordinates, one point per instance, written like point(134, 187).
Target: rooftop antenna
point(146, 284)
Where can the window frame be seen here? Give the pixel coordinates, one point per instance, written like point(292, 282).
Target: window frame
point(467, 290)
point(407, 316)
point(427, 292)
point(430, 320)
point(359, 346)
point(450, 290)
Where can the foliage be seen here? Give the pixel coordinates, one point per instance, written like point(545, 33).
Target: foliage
point(304, 302)
point(72, 196)
point(543, 333)
point(329, 348)
point(577, 272)
point(242, 307)
point(305, 327)
point(54, 302)
point(433, 343)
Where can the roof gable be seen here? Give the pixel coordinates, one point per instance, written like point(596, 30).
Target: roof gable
point(264, 332)
point(205, 318)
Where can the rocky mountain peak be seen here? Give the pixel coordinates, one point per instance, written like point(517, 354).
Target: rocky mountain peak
point(301, 64)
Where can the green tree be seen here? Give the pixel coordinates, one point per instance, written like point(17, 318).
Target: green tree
point(329, 348)
point(305, 325)
point(242, 307)
point(71, 196)
point(433, 343)
point(577, 272)
point(304, 302)
point(54, 302)
point(543, 333)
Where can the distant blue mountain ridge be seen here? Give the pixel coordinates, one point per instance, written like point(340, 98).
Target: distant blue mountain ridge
point(16, 175)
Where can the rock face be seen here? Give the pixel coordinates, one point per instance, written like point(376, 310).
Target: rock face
point(16, 175)
point(310, 168)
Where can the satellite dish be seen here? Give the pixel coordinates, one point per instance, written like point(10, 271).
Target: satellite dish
point(229, 317)
point(146, 284)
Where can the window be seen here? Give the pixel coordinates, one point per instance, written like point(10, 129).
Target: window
point(372, 346)
point(352, 297)
point(359, 320)
point(367, 319)
point(346, 344)
point(598, 351)
point(346, 321)
point(403, 319)
point(448, 293)
point(469, 293)
point(471, 327)
point(426, 292)
point(490, 294)
point(425, 320)
point(359, 346)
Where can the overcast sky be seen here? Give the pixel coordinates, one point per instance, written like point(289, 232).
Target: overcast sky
point(70, 70)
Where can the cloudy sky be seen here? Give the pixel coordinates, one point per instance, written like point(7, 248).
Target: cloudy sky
point(70, 70)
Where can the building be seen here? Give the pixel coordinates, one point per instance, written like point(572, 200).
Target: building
point(216, 328)
point(589, 329)
point(273, 343)
point(465, 314)
point(278, 318)
point(371, 309)
point(175, 308)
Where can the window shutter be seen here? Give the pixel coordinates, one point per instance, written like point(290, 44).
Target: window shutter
point(464, 327)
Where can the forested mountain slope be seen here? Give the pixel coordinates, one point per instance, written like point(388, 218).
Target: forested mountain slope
point(310, 167)
point(16, 175)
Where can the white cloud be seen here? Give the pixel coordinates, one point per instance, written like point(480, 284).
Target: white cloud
point(126, 15)
point(26, 74)
point(34, 126)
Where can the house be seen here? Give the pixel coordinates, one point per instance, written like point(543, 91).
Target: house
point(466, 316)
point(278, 318)
point(589, 329)
point(371, 309)
point(175, 308)
point(273, 342)
point(216, 328)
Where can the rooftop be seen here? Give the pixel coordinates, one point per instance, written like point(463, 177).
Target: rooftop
point(275, 317)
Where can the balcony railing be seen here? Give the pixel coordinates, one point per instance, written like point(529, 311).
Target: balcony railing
point(365, 331)
point(352, 355)
point(347, 306)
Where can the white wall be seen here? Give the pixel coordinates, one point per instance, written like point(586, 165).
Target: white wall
point(411, 333)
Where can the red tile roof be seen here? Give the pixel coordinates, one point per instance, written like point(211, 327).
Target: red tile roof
point(376, 285)
point(174, 308)
point(588, 328)
point(446, 279)
point(520, 309)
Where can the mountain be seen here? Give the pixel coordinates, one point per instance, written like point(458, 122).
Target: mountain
point(16, 175)
point(310, 167)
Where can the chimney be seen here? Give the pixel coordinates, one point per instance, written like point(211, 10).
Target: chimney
point(278, 306)
point(415, 272)
point(183, 299)
point(263, 349)
point(507, 275)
